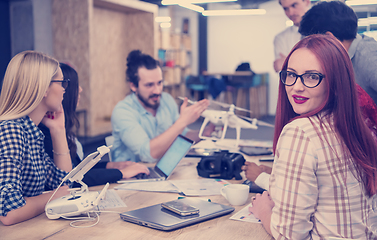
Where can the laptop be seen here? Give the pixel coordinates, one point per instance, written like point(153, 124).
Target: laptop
point(162, 219)
point(165, 166)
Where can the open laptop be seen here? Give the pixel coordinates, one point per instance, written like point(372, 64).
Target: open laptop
point(167, 163)
point(162, 219)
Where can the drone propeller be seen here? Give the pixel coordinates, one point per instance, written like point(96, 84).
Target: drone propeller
point(224, 105)
point(261, 123)
point(227, 105)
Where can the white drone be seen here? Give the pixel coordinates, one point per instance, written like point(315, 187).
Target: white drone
point(227, 119)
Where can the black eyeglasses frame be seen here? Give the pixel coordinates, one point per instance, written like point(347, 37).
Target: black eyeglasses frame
point(65, 82)
point(320, 75)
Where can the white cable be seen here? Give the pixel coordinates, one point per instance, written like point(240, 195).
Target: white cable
point(83, 219)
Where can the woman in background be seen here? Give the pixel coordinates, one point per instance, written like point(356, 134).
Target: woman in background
point(102, 172)
point(324, 179)
point(32, 93)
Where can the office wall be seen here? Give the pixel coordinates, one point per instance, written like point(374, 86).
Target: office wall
point(236, 39)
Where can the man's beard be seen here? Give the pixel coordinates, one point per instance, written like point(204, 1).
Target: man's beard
point(146, 103)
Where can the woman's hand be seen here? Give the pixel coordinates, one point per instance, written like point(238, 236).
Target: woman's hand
point(133, 169)
point(55, 121)
point(262, 209)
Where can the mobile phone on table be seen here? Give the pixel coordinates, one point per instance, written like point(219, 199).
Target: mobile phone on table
point(255, 151)
point(180, 208)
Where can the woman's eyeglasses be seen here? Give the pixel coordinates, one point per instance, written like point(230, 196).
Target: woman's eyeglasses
point(310, 80)
point(64, 82)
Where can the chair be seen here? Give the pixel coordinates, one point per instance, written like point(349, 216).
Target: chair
point(109, 140)
point(197, 85)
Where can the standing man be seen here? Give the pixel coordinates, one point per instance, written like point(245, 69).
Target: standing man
point(339, 20)
point(147, 121)
point(284, 41)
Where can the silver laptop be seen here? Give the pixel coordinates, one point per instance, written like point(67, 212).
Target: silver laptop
point(167, 163)
point(162, 219)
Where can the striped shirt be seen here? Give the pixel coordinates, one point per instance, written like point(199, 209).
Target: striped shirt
point(316, 195)
point(25, 169)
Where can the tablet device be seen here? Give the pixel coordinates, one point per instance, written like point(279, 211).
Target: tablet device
point(160, 218)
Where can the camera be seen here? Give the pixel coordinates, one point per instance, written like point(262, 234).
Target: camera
point(222, 164)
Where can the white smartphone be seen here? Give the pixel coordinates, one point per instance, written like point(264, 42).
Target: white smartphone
point(180, 208)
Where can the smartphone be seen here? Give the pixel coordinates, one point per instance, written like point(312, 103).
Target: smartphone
point(267, 159)
point(200, 152)
point(180, 208)
point(255, 151)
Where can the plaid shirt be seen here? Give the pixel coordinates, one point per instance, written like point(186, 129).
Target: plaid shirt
point(316, 195)
point(25, 169)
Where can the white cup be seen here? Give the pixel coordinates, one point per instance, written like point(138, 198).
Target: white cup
point(236, 194)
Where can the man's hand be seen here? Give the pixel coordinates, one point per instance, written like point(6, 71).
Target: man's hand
point(278, 63)
point(190, 114)
point(252, 170)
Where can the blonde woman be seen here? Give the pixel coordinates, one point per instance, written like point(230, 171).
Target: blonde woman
point(32, 92)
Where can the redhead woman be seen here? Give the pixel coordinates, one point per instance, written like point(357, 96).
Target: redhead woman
point(32, 92)
point(324, 179)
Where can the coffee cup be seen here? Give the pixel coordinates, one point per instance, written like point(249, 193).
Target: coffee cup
point(236, 194)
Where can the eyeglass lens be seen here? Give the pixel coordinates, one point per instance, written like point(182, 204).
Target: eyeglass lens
point(65, 83)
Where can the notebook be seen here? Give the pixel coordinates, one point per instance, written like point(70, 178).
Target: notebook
point(162, 219)
point(164, 167)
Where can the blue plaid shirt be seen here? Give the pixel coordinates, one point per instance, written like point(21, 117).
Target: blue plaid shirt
point(25, 169)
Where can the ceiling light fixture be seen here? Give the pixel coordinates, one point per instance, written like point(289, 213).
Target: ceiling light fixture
point(165, 25)
point(162, 19)
point(179, 2)
point(234, 12)
point(367, 21)
point(361, 2)
point(192, 7)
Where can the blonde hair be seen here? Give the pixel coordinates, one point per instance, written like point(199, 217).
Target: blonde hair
point(25, 83)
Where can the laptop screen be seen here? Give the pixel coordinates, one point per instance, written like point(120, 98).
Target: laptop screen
point(174, 154)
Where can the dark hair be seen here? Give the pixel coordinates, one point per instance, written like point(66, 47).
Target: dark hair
point(69, 105)
point(341, 102)
point(136, 60)
point(335, 17)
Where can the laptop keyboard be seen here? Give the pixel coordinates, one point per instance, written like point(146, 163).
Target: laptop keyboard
point(152, 174)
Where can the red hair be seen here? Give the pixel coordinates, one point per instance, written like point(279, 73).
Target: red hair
point(341, 102)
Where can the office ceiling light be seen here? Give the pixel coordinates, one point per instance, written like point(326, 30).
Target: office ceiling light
point(192, 7)
point(367, 21)
point(234, 12)
point(162, 19)
point(361, 2)
point(165, 25)
point(178, 2)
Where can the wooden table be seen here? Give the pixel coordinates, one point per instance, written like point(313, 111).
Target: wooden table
point(110, 225)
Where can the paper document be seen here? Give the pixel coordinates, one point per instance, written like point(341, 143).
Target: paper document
point(112, 200)
point(229, 144)
point(194, 187)
point(158, 186)
point(245, 215)
point(200, 187)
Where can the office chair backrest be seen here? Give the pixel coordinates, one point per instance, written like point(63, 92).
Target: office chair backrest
point(109, 140)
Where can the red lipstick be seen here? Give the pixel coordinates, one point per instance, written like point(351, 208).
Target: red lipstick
point(299, 99)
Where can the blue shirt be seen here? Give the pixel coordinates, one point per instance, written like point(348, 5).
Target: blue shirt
point(134, 127)
point(26, 170)
point(363, 54)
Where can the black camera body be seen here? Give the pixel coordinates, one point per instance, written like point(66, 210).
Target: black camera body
point(223, 164)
